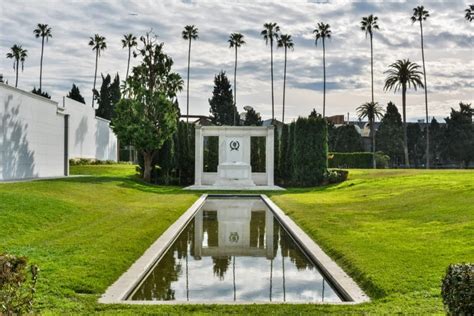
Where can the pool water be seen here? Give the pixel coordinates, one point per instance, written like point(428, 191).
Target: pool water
point(234, 249)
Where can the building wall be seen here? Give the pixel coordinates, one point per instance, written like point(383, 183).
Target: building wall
point(89, 136)
point(31, 136)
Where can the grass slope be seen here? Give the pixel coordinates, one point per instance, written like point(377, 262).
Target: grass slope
point(394, 231)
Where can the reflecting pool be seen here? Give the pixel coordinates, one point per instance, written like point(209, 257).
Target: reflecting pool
point(234, 249)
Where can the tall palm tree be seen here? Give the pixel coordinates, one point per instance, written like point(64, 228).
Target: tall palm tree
point(19, 55)
point(469, 13)
point(420, 15)
point(287, 42)
point(189, 33)
point(98, 44)
point(271, 32)
point(371, 111)
point(43, 31)
point(403, 74)
point(321, 32)
point(129, 41)
point(369, 24)
point(235, 40)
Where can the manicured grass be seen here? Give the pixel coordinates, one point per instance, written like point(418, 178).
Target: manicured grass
point(394, 231)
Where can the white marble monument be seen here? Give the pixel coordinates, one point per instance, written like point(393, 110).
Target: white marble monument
point(234, 171)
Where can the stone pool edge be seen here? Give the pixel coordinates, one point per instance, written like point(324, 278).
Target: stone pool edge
point(125, 284)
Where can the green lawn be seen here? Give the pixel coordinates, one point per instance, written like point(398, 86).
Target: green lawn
point(393, 231)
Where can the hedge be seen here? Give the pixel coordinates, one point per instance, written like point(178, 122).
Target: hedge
point(458, 289)
point(362, 160)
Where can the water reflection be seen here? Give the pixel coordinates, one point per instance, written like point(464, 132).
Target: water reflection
point(235, 250)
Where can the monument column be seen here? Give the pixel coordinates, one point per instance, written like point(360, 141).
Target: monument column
point(270, 160)
point(198, 155)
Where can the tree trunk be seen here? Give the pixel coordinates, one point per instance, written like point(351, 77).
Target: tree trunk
point(17, 65)
point(271, 68)
point(426, 101)
point(284, 88)
point(41, 63)
point(147, 165)
point(372, 128)
point(324, 80)
point(372, 65)
point(187, 87)
point(405, 136)
point(128, 63)
point(95, 74)
point(235, 87)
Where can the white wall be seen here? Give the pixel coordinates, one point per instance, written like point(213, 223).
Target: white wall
point(31, 136)
point(89, 136)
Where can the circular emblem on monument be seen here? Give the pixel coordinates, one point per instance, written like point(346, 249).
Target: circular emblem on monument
point(234, 237)
point(234, 145)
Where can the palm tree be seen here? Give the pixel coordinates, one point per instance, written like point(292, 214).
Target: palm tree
point(369, 24)
point(470, 13)
point(371, 111)
point(287, 42)
point(98, 44)
point(270, 32)
point(19, 55)
point(321, 32)
point(189, 33)
point(235, 40)
point(403, 74)
point(420, 14)
point(129, 41)
point(43, 31)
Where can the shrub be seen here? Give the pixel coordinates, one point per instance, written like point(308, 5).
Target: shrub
point(336, 176)
point(458, 289)
point(361, 160)
point(16, 289)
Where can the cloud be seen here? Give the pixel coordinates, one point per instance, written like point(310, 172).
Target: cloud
point(68, 59)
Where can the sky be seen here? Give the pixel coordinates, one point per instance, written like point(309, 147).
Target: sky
point(449, 50)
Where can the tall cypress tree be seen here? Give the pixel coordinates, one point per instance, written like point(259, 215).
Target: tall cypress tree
point(284, 155)
point(75, 94)
point(222, 105)
point(389, 137)
point(107, 98)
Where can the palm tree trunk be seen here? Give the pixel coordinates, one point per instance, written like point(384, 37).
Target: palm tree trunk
point(17, 65)
point(405, 136)
point(187, 88)
point(271, 68)
point(427, 126)
point(324, 80)
point(128, 62)
point(95, 74)
point(372, 66)
point(284, 88)
point(235, 87)
point(41, 62)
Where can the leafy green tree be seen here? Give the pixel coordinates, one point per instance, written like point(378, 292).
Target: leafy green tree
point(252, 118)
point(129, 41)
point(284, 153)
point(98, 44)
point(40, 93)
point(222, 103)
point(148, 116)
point(437, 140)
point(369, 24)
point(459, 134)
point(286, 42)
point(389, 138)
point(371, 111)
point(346, 139)
point(420, 15)
point(323, 32)
point(108, 97)
point(415, 143)
point(236, 40)
point(403, 74)
point(469, 13)
point(43, 31)
point(189, 33)
point(18, 54)
point(270, 33)
point(75, 94)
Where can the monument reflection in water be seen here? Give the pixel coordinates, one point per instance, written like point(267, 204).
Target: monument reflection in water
point(235, 250)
